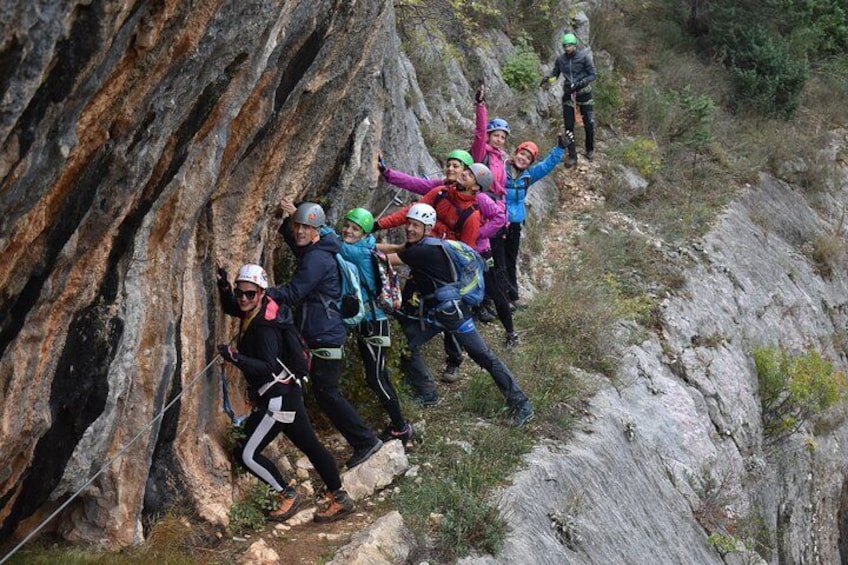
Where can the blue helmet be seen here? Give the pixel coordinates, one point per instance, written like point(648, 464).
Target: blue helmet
point(497, 124)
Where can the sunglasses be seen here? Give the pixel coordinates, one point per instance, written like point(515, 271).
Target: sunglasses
point(249, 294)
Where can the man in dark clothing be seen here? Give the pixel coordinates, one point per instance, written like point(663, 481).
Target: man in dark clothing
point(430, 265)
point(578, 71)
point(313, 290)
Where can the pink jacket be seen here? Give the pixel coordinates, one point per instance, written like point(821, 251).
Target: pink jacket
point(492, 213)
point(496, 157)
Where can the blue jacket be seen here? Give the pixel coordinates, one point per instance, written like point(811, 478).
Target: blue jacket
point(516, 188)
point(359, 254)
point(317, 275)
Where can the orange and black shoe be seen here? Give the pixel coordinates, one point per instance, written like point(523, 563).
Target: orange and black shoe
point(341, 504)
point(289, 503)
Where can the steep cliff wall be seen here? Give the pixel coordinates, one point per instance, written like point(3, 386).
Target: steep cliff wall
point(142, 142)
point(685, 409)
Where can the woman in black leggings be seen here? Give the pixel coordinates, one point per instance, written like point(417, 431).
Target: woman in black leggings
point(272, 357)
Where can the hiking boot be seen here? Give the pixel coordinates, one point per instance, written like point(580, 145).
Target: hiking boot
point(362, 454)
point(289, 503)
point(511, 340)
point(589, 154)
point(406, 433)
point(518, 304)
point(450, 374)
point(340, 506)
point(485, 316)
point(523, 414)
point(570, 161)
point(427, 399)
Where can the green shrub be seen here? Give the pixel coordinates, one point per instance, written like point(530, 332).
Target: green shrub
point(795, 389)
point(768, 75)
point(521, 70)
point(248, 514)
point(643, 155)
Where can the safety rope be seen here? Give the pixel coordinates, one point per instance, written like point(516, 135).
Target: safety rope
point(108, 463)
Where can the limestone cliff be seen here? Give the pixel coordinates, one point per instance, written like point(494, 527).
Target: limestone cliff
point(141, 143)
point(685, 409)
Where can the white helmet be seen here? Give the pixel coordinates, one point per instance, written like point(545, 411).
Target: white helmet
point(424, 213)
point(253, 273)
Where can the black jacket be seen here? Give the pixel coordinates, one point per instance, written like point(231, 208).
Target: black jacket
point(270, 336)
point(577, 69)
point(315, 282)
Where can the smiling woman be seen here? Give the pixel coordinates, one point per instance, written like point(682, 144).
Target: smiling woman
point(272, 365)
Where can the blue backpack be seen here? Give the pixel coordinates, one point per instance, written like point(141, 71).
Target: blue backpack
point(467, 268)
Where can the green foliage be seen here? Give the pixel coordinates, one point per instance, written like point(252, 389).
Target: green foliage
point(606, 92)
point(643, 155)
point(722, 543)
point(248, 514)
point(463, 465)
point(822, 24)
point(795, 389)
point(767, 73)
point(521, 70)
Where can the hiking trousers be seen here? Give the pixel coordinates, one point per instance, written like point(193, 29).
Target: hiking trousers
point(463, 329)
point(261, 428)
point(497, 285)
point(511, 246)
point(587, 110)
point(373, 339)
point(324, 376)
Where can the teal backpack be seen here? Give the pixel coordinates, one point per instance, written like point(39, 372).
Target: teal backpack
point(351, 304)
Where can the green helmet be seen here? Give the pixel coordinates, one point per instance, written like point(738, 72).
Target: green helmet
point(569, 39)
point(362, 218)
point(462, 156)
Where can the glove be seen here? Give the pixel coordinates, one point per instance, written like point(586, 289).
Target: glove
point(229, 353)
point(381, 163)
point(376, 227)
point(480, 95)
point(223, 282)
point(579, 84)
point(544, 82)
point(569, 139)
point(568, 88)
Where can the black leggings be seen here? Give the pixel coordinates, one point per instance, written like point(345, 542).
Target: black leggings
point(373, 340)
point(261, 429)
point(511, 245)
point(497, 285)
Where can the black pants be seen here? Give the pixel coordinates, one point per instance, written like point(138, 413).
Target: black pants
point(373, 340)
point(324, 376)
point(261, 428)
point(463, 329)
point(587, 110)
point(497, 287)
point(511, 245)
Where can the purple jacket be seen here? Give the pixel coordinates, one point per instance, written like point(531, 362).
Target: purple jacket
point(493, 213)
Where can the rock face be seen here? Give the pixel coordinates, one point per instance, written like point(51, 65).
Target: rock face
point(685, 409)
point(141, 143)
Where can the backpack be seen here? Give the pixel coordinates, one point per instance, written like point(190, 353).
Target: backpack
point(351, 304)
point(467, 268)
point(388, 298)
point(461, 214)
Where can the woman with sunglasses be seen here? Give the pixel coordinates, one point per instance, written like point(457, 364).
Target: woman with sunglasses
point(271, 356)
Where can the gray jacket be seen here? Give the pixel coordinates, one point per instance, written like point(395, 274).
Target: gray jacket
point(577, 69)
